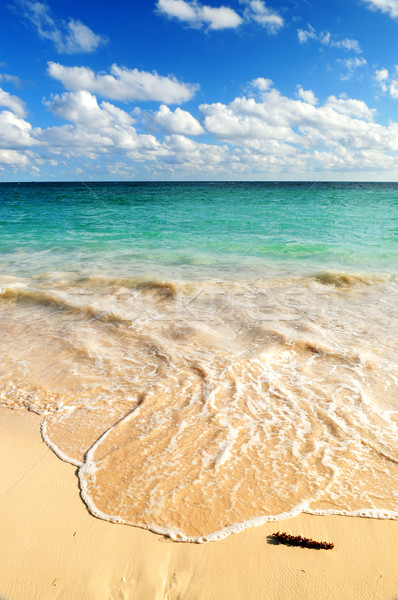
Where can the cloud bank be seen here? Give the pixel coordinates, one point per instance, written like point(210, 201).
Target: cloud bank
point(266, 135)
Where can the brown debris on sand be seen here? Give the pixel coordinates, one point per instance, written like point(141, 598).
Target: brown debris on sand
point(298, 540)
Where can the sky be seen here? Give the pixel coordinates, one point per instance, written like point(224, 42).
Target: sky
point(176, 90)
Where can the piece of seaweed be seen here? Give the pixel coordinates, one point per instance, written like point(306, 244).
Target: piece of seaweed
point(298, 540)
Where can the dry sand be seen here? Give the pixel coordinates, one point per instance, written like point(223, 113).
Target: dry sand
point(51, 547)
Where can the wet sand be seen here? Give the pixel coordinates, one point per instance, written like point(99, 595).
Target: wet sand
point(53, 548)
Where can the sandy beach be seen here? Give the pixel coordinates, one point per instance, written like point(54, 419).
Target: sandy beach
point(53, 548)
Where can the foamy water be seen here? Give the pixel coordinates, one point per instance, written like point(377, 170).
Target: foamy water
point(200, 406)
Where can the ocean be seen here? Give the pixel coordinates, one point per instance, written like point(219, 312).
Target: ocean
point(210, 356)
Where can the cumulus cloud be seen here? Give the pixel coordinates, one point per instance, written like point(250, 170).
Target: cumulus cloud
point(265, 136)
point(261, 83)
point(97, 127)
point(198, 15)
point(180, 153)
point(386, 6)
point(177, 122)
point(260, 13)
point(68, 37)
point(16, 134)
point(295, 134)
point(82, 108)
point(12, 102)
point(12, 158)
point(325, 38)
point(381, 75)
point(16, 141)
point(307, 95)
point(123, 84)
point(274, 134)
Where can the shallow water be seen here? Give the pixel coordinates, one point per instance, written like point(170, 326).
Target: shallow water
point(209, 355)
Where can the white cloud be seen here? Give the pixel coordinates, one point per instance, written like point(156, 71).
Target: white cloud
point(15, 132)
point(180, 9)
point(96, 127)
point(259, 12)
point(325, 38)
point(98, 130)
point(197, 15)
point(393, 89)
point(220, 18)
point(267, 136)
point(387, 81)
point(347, 44)
point(123, 84)
point(273, 135)
point(350, 107)
point(69, 37)
point(307, 95)
point(82, 108)
point(101, 129)
point(304, 35)
point(12, 102)
point(261, 83)
point(386, 6)
point(177, 122)
point(183, 154)
point(13, 158)
point(283, 129)
point(350, 65)
point(381, 75)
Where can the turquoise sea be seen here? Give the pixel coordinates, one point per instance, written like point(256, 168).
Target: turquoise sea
point(210, 356)
point(198, 230)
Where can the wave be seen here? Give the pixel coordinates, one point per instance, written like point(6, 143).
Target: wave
point(196, 409)
point(347, 278)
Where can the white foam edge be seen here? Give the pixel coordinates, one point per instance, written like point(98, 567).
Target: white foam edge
point(62, 455)
point(366, 513)
point(178, 536)
point(87, 464)
point(88, 467)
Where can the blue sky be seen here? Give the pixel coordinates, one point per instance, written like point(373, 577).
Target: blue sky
point(179, 90)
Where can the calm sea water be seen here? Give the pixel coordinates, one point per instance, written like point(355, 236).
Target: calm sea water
point(209, 355)
point(198, 230)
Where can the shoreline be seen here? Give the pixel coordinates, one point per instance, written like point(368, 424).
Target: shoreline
point(54, 548)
